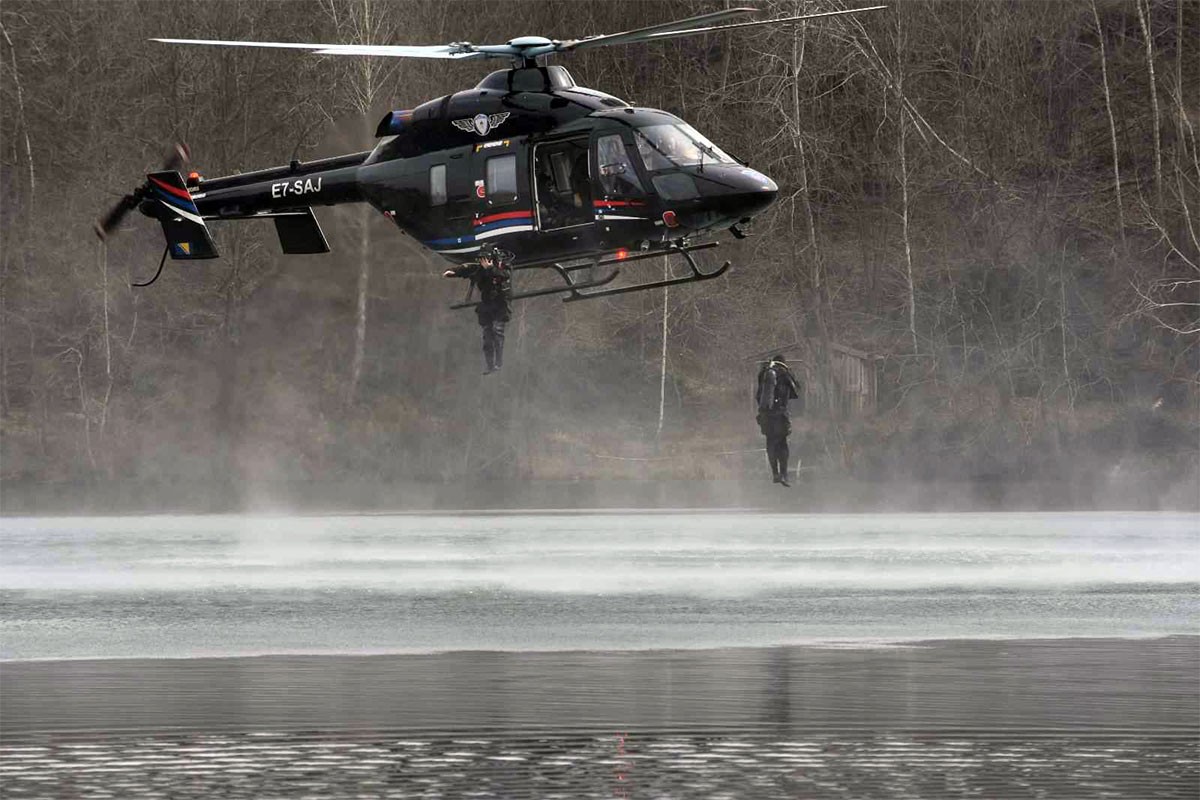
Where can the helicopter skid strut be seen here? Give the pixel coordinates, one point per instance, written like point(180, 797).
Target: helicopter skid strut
point(683, 250)
point(579, 290)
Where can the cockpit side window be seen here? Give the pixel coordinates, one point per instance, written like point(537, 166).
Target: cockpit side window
point(618, 176)
point(676, 145)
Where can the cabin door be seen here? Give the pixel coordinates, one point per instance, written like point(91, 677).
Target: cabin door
point(500, 200)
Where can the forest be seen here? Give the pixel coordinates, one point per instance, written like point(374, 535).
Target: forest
point(994, 206)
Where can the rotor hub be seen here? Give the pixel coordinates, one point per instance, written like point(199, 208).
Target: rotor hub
point(526, 42)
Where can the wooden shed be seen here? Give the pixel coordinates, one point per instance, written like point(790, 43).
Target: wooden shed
point(855, 380)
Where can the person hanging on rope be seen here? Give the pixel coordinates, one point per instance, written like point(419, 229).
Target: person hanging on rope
point(492, 276)
point(776, 386)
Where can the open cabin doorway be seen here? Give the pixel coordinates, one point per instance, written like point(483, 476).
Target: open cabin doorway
point(563, 184)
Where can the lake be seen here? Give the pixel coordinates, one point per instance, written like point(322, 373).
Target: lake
point(604, 654)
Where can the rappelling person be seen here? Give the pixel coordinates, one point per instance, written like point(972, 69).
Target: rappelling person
point(492, 276)
point(776, 386)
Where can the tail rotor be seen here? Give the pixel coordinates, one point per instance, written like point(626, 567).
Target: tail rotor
point(177, 158)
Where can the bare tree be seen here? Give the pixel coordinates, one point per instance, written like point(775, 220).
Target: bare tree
point(662, 380)
point(16, 77)
point(1112, 126)
point(1143, 18)
point(362, 22)
point(903, 149)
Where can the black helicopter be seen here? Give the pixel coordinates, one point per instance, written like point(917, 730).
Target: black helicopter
point(556, 173)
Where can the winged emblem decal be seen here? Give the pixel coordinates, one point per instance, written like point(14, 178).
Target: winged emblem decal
point(480, 123)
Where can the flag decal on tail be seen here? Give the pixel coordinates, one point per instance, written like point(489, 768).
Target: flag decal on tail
point(176, 199)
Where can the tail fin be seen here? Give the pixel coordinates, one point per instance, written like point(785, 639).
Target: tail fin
point(187, 235)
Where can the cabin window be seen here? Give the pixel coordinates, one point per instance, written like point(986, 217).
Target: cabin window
point(437, 185)
point(618, 177)
point(502, 179)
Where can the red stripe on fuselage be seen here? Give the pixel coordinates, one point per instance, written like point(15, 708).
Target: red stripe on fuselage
point(505, 215)
point(617, 203)
point(183, 193)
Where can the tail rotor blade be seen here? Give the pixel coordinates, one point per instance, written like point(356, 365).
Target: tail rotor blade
point(109, 222)
point(177, 157)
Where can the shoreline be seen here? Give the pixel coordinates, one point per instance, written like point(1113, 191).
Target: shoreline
point(594, 512)
point(868, 644)
point(508, 496)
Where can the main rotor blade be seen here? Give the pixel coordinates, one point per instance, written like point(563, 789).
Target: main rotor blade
point(396, 51)
point(531, 47)
point(674, 33)
point(639, 34)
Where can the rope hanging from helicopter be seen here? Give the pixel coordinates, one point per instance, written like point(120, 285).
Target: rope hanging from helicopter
point(163, 261)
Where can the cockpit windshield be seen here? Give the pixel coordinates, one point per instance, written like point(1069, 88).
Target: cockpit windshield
point(676, 145)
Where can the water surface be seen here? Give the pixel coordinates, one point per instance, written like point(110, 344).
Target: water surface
point(608, 655)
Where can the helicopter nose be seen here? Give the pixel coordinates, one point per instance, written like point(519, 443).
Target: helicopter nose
point(757, 191)
point(713, 197)
point(734, 193)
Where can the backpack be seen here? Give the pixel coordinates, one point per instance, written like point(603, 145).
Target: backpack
point(758, 387)
point(785, 385)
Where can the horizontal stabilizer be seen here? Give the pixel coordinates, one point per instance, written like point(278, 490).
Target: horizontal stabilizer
point(300, 233)
point(187, 235)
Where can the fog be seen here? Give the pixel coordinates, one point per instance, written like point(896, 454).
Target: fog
point(241, 585)
point(603, 555)
point(1014, 316)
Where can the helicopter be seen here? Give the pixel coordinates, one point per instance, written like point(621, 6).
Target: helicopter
point(565, 178)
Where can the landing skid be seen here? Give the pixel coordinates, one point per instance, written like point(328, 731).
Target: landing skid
point(566, 273)
point(577, 290)
point(682, 250)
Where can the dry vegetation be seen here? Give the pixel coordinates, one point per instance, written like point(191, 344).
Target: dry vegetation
point(1002, 199)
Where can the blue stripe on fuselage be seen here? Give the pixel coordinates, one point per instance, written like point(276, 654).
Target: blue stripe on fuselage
point(178, 202)
point(452, 240)
point(491, 226)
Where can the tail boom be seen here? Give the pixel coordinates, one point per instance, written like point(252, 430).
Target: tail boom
point(295, 187)
point(286, 194)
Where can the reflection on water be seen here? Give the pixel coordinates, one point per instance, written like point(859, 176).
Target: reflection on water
point(615, 765)
point(1099, 685)
point(1055, 718)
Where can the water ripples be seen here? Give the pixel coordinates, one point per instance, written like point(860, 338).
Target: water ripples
point(264, 764)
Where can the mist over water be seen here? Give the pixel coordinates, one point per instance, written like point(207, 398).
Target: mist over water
point(186, 586)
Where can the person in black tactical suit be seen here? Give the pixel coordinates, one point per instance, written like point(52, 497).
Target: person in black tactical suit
point(492, 276)
point(776, 386)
